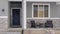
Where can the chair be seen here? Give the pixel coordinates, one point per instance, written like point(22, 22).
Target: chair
point(49, 24)
point(32, 24)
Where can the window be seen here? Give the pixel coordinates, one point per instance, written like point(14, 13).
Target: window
point(40, 10)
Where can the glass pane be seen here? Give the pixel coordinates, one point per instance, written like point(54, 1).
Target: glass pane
point(45, 10)
point(40, 10)
point(15, 4)
point(35, 10)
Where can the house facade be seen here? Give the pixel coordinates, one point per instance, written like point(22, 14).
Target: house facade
point(29, 17)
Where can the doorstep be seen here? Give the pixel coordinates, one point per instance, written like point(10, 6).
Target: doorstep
point(14, 29)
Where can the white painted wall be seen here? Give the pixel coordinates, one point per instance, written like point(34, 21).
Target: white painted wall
point(4, 5)
point(44, 0)
point(3, 16)
point(56, 22)
point(38, 0)
point(14, 0)
point(54, 9)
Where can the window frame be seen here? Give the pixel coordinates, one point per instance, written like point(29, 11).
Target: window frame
point(38, 9)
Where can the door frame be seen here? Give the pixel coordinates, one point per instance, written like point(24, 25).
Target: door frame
point(12, 15)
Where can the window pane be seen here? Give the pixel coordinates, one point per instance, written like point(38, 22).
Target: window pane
point(40, 10)
point(45, 10)
point(35, 10)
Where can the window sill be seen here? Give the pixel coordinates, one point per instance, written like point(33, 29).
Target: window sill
point(43, 18)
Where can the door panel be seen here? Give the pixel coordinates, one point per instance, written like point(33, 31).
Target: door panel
point(16, 17)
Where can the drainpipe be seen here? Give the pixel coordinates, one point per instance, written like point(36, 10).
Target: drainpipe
point(24, 13)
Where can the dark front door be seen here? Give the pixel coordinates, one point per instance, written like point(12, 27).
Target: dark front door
point(16, 17)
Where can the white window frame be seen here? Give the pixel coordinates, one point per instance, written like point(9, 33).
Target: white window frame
point(43, 10)
point(12, 15)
